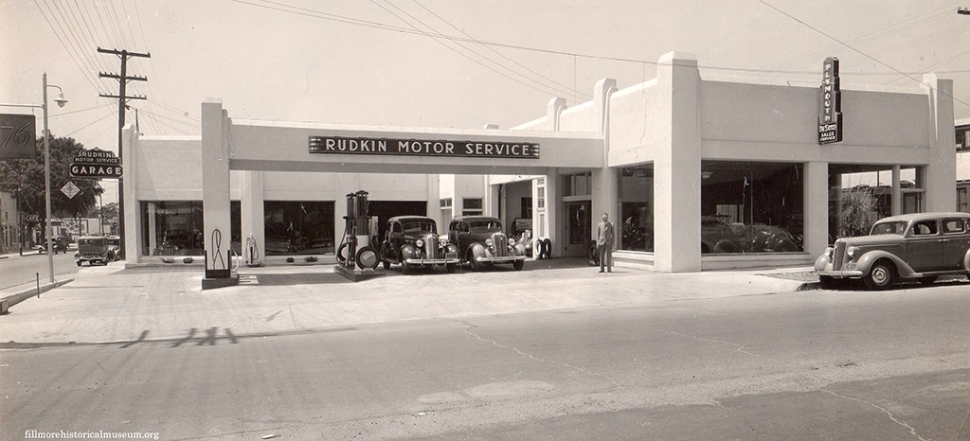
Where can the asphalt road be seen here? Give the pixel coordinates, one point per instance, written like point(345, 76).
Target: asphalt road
point(810, 365)
point(18, 270)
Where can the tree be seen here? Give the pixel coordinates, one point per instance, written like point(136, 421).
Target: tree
point(24, 178)
point(858, 212)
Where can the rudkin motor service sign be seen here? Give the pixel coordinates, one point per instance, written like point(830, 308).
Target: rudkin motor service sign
point(420, 147)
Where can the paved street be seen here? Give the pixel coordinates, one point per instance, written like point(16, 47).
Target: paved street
point(18, 271)
point(634, 356)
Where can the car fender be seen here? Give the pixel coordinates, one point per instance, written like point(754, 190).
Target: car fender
point(867, 260)
point(451, 248)
point(821, 262)
point(408, 252)
point(518, 249)
point(966, 261)
point(478, 250)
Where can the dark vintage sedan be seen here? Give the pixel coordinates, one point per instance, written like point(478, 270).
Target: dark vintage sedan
point(482, 242)
point(414, 241)
point(917, 247)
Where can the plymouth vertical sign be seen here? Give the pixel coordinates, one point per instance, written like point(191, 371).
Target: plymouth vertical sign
point(830, 104)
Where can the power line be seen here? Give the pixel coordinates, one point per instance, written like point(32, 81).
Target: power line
point(571, 89)
point(860, 52)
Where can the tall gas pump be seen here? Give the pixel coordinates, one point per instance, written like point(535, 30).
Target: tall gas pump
point(355, 255)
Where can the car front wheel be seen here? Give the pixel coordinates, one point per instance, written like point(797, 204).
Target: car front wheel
point(828, 282)
point(880, 277)
point(518, 264)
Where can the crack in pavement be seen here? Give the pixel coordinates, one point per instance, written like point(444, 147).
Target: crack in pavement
point(539, 359)
point(891, 416)
point(740, 348)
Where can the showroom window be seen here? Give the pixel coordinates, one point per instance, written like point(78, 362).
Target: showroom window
point(175, 228)
point(751, 207)
point(860, 194)
point(636, 206)
point(579, 184)
point(298, 227)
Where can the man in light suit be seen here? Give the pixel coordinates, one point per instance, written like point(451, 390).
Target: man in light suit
point(604, 243)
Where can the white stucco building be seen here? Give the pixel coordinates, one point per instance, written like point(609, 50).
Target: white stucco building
point(700, 172)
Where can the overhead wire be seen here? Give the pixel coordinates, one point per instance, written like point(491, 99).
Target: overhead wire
point(852, 48)
point(459, 52)
point(442, 19)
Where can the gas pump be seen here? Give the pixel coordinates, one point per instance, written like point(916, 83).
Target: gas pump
point(356, 249)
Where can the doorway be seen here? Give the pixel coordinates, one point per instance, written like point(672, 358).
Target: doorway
point(578, 230)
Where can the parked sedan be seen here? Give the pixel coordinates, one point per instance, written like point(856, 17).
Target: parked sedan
point(413, 241)
point(482, 242)
point(918, 247)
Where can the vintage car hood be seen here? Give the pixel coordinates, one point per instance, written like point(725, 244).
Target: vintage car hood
point(872, 240)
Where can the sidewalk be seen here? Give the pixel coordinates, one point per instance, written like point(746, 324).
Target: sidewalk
point(111, 305)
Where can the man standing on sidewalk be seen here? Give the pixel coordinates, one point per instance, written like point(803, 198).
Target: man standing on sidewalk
point(604, 243)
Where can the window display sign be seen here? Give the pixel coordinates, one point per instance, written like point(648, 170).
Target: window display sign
point(421, 147)
point(17, 135)
point(830, 104)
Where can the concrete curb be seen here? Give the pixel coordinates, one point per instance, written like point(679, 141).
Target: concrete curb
point(8, 302)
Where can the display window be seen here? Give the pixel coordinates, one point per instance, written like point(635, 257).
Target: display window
point(751, 207)
point(298, 227)
point(175, 228)
point(635, 186)
point(861, 194)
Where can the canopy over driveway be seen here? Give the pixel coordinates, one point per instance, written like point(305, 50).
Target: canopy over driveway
point(278, 146)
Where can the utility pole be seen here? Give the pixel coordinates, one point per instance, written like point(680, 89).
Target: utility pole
point(123, 98)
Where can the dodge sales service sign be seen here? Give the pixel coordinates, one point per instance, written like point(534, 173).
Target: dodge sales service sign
point(830, 104)
point(418, 147)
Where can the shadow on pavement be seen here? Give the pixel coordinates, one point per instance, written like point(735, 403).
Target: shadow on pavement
point(299, 279)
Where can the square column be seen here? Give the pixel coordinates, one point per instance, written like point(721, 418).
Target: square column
point(816, 208)
point(677, 169)
point(604, 191)
point(941, 175)
point(253, 223)
point(215, 184)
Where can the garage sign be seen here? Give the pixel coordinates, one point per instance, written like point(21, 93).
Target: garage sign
point(96, 164)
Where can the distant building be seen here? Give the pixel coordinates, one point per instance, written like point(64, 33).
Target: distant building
point(963, 164)
point(8, 222)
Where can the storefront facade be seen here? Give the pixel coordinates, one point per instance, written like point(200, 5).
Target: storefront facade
point(699, 172)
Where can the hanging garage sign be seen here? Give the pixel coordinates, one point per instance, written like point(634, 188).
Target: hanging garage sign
point(420, 147)
point(96, 164)
point(830, 104)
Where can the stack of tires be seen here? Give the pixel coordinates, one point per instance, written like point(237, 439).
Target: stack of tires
point(542, 248)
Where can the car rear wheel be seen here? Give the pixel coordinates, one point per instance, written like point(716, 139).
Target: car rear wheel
point(880, 277)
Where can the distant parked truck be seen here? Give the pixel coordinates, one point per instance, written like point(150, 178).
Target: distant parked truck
point(97, 250)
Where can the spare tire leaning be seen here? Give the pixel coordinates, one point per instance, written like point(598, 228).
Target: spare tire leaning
point(367, 258)
point(547, 248)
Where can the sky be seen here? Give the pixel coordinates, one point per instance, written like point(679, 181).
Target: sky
point(437, 63)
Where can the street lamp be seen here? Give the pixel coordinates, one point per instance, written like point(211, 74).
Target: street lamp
point(47, 173)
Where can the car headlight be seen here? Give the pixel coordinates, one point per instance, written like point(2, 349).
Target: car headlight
point(443, 241)
point(854, 252)
point(419, 243)
point(511, 242)
point(829, 251)
point(488, 242)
